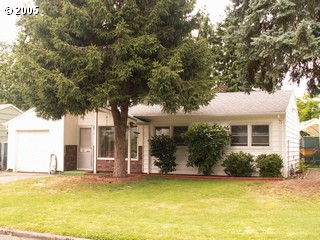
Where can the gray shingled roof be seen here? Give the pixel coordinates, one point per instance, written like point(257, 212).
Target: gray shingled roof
point(228, 104)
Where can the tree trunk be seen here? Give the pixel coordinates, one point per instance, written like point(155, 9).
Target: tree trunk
point(120, 117)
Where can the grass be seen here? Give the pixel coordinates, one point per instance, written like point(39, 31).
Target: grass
point(312, 164)
point(158, 209)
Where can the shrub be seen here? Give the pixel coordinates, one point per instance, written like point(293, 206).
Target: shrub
point(206, 144)
point(302, 166)
point(269, 165)
point(164, 149)
point(239, 164)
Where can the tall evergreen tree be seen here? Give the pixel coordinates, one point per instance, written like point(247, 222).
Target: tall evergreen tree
point(223, 54)
point(79, 55)
point(276, 37)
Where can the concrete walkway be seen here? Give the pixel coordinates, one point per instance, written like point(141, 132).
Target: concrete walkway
point(8, 234)
point(6, 177)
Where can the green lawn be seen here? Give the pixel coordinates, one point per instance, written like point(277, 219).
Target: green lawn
point(158, 209)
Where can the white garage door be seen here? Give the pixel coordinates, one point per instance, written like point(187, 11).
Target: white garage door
point(33, 151)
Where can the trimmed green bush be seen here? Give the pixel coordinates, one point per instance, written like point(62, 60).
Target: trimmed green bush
point(206, 145)
point(269, 165)
point(164, 148)
point(239, 164)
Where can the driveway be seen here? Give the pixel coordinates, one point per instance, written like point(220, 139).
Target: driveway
point(6, 177)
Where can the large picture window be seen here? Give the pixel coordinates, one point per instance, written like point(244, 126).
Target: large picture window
point(106, 142)
point(239, 135)
point(260, 135)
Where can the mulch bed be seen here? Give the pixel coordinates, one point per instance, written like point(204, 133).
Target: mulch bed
point(106, 177)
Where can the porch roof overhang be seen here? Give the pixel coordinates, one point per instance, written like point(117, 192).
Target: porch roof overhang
point(311, 127)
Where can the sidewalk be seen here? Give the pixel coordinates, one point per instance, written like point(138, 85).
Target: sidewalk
point(8, 234)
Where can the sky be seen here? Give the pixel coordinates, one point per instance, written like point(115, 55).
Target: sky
point(8, 29)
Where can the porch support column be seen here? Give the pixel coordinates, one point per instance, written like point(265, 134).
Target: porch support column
point(129, 149)
point(95, 141)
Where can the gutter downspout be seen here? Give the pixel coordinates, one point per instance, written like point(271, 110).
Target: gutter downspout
point(129, 150)
point(281, 138)
point(149, 157)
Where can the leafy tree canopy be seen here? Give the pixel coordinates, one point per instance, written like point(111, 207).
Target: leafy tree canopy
point(274, 38)
point(78, 55)
point(308, 107)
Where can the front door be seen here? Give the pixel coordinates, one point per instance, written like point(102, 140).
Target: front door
point(85, 149)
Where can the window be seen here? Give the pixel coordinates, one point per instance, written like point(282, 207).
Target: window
point(107, 139)
point(260, 135)
point(134, 142)
point(239, 135)
point(106, 142)
point(176, 135)
point(162, 131)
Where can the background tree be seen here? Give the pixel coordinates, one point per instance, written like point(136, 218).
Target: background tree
point(223, 71)
point(76, 56)
point(274, 38)
point(9, 90)
point(308, 107)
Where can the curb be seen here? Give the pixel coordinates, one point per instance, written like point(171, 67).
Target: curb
point(34, 235)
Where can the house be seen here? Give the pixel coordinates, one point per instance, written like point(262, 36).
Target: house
point(35, 143)
point(260, 123)
point(7, 112)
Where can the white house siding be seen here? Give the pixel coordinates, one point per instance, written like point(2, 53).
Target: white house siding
point(292, 136)
point(276, 135)
point(70, 130)
point(29, 124)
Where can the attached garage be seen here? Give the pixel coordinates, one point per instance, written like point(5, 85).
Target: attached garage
point(32, 142)
point(32, 151)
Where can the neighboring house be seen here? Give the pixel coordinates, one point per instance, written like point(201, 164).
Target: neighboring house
point(259, 122)
point(310, 145)
point(7, 112)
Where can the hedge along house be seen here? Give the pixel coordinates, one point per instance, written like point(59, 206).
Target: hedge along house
point(7, 112)
point(259, 123)
point(74, 142)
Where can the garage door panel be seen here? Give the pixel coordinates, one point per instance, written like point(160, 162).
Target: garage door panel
point(32, 151)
